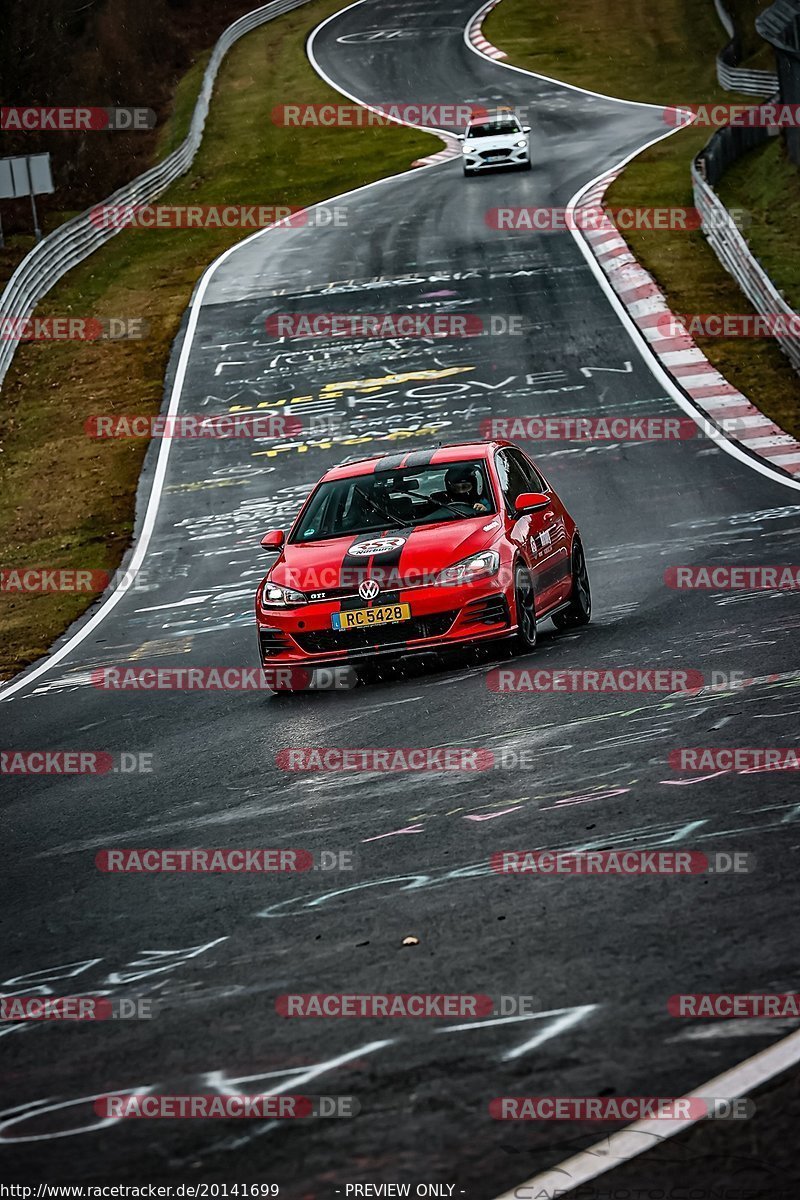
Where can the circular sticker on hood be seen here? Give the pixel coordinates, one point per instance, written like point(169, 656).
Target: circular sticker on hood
point(376, 546)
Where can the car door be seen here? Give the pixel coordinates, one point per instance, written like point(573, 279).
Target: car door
point(542, 535)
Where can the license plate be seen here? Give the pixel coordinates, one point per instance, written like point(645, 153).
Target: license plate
point(362, 618)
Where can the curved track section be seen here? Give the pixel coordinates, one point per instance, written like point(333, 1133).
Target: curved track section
point(600, 956)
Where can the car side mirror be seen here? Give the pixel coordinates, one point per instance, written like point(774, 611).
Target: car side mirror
point(273, 540)
point(526, 128)
point(531, 502)
point(461, 136)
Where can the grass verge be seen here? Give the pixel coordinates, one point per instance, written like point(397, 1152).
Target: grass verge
point(665, 54)
point(68, 501)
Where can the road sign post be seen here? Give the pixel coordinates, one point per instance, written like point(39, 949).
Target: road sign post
point(26, 175)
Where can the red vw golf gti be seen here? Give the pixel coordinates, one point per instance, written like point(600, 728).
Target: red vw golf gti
point(407, 553)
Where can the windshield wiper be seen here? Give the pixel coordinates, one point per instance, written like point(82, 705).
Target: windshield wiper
point(395, 520)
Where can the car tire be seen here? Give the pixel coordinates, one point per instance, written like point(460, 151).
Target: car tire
point(525, 610)
point(467, 173)
point(527, 165)
point(579, 611)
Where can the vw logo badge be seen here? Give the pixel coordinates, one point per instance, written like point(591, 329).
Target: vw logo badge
point(368, 590)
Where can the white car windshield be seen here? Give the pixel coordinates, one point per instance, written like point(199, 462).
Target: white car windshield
point(502, 125)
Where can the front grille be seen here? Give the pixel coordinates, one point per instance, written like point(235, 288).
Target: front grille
point(491, 610)
point(327, 640)
point(489, 154)
point(272, 641)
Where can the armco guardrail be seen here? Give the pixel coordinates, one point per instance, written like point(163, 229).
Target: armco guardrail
point(736, 256)
point(740, 79)
point(76, 239)
point(733, 77)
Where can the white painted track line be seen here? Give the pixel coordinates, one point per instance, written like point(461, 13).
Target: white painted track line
point(636, 1139)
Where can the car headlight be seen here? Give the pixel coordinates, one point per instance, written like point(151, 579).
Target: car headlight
point(275, 596)
point(521, 144)
point(467, 147)
point(477, 566)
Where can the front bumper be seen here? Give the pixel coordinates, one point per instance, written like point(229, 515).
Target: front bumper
point(440, 617)
point(490, 160)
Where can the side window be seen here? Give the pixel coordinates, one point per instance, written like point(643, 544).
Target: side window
point(512, 479)
point(533, 480)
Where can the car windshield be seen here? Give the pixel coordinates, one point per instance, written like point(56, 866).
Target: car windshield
point(492, 128)
point(396, 500)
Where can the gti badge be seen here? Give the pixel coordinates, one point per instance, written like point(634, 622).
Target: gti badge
point(368, 589)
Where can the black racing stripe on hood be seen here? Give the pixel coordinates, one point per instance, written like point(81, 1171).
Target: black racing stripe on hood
point(354, 568)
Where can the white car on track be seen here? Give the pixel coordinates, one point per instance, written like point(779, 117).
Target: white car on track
point(495, 140)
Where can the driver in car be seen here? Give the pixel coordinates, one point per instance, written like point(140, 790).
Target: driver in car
point(461, 486)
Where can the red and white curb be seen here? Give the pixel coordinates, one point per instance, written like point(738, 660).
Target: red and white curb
point(708, 390)
point(452, 150)
point(476, 37)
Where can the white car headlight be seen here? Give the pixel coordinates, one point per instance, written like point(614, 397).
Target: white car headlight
point(275, 596)
point(477, 566)
point(520, 145)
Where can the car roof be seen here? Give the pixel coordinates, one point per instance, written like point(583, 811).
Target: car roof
point(492, 114)
point(379, 463)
